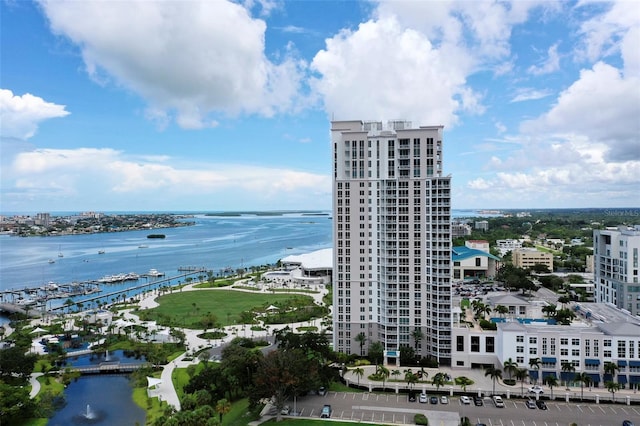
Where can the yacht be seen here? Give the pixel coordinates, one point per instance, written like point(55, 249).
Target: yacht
point(155, 273)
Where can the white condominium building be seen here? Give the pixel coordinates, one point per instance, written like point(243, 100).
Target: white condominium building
point(616, 267)
point(392, 239)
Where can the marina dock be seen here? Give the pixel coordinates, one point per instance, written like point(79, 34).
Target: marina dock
point(33, 300)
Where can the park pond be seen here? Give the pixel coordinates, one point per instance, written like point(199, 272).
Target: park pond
point(99, 400)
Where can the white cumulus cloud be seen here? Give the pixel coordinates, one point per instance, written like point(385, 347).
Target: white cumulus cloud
point(195, 60)
point(86, 176)
point(21, 115)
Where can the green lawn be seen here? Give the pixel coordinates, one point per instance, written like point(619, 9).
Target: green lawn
point(186, 309)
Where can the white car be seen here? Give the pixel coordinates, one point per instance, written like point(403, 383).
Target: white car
point(444, 399)
point(465, 400)
point(536, 389)
point(423, 398)
point(498, 402)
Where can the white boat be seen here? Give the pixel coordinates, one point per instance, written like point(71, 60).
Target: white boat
point(52, 261)
point(25, 302)
point(155, 273)
point(100, 251)
point(143, 246)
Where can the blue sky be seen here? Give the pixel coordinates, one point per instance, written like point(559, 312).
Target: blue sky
point(214, 105)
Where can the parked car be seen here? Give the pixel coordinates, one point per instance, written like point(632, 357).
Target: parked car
point(423, 398)
point(322, 391)
point(531, 404)
point(498, 402)
point(412, 397)
point(536, 389)
point(444, 399)
point(477, 401)
point(326, 412)
point(627, 423)
point(433, 400)
point(465, 400)
point(541, 405)
point(285, 410)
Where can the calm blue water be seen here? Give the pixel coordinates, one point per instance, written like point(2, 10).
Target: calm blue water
point(109, 400)
point(214, 242)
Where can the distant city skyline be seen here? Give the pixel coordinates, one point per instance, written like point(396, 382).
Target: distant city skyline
point(222, 106)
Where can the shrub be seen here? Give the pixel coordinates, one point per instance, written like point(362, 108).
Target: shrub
point(488, 325)
point(420, 419)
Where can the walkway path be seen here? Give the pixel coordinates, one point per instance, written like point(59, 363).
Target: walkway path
point(483, 385)
point(35, 384)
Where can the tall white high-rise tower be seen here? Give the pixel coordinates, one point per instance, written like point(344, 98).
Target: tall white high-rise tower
point(616, 257)
point(392, 239)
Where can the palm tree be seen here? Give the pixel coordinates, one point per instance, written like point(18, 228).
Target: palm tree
point(223, 407)
point(584, 379)
point(440, 379)
point(411, 378)
point(502, 310)
point(359, 372)
point(521, 374)
point(549, 310)
point(361, 338)
point(568, 367)
point(384, 372)
point(535, 364)
point(563, 300)
point(612, 387)
point(495, 374)
point(510, 366)
point(611, 368)
point(417, 335)
point(550, 381)
point(395, 373)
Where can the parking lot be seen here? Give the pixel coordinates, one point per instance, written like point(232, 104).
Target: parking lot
point(396, 409)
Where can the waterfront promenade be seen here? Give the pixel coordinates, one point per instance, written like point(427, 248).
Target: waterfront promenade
point(482, 385)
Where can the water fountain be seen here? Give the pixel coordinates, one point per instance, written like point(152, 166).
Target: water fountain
point(89, 415)
point(107, 358)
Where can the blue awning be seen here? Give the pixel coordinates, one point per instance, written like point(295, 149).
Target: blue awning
point(548, 360)
point(567, 376)
point(606, 377)
point(533, 374)
point(591, 361)
point(634, 363)
point(595, 377)
point(634, 379)
point(549, 373)
point(622, 379)
point(622, 363)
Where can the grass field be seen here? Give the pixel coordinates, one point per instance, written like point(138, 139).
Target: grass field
point(186, 309)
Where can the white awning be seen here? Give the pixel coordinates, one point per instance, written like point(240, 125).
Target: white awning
point(153, 382)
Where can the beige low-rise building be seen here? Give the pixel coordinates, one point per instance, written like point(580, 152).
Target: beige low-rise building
point(527, 258)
